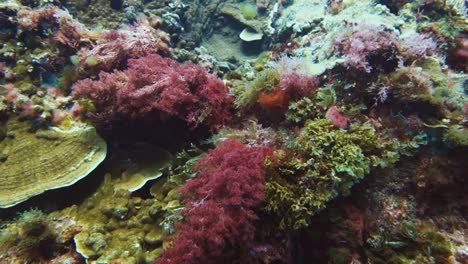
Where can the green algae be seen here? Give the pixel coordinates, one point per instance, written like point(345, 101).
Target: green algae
point(30, 225)
point(247, 93)
point(322, 163)
point(307, 108)
point(249, 11)
point(456, 136)
point(416, 242)
point(28, 236)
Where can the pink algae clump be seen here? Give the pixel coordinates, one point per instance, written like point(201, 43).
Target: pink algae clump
point(299, 85)
point(154, 88)
point(220, 205)
point(337, 118)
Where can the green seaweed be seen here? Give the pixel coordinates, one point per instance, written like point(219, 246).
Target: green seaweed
point(320, 164)
point(28, 236)
point(301, 110)
point(456, 136)
point(326, 97)
point(415, 242)
point(249, 11)
point(247, 93)
point(307, 108)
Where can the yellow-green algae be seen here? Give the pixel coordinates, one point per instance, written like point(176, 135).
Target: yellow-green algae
point(36, 161)
point(236, 12)
point(24, 239)
point(416, 242)
point(247, 93)
point(321, 163)
point(248, 10)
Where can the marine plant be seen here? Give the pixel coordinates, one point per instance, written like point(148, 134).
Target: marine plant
point(249, 11)
point(299, 85)
point(311, 107)
point(417, 46)
point(235, 208)
point(247, 95)
point(415, 242)
point(456, 136)
point(157, 89)
point(458, 54)
point(365, 47)
point(220, 205)
point(114, 48)
point(336, 117)
point(274, 88)
point(30, 236)
point(321, 163)
point(420, 82)
point(301, 110)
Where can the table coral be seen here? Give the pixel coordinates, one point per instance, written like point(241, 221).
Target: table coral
point(45, 159)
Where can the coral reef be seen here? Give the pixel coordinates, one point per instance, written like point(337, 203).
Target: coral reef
point(386, 221)
point(254, 131)
point(110, 14)
point(117, 227)
point(198, 21)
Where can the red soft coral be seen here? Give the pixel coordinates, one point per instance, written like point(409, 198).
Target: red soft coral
point(220, 204)
point(158, 89)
